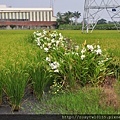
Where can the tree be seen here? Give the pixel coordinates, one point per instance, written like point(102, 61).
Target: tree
point(64, 18)
point(76, 16)
point(102, 21)
point(59, 18)
point(68, 17)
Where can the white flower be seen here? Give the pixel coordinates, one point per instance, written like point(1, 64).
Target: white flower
point(90, 47)
point(60, 36)
point(48, 39)
point(38, 43)
point(73, 53)
point(56, 70)
point(54, 65)
point(83, 50)
point(45, 38)
point(49, 44)
point(98, 46)
point(98, 51)
point(38, 34)
point(101, 62)
point(48, 59)
point(41, 47)
point(57, 42)
point(34, 32)
point(44, 32)
point(82, 57)
point(46, 49)
point(53, 40)
point(76, 47)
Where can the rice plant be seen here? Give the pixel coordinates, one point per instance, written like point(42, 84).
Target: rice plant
point(1, 86)
point(15, 81)
point(39, 74)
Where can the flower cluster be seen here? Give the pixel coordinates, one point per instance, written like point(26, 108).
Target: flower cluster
point(72, 63)
point(48, 40)
point(91, 49)
point(54, 66)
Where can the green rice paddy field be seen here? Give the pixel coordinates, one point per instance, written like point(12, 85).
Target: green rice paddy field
point(14, 47)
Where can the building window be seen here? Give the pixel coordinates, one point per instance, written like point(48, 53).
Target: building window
point(0, 15)
point(46, 16)
point(40, 18)
point(18, 15)
point(49, 15)
point(35, 16)
point(42, 15)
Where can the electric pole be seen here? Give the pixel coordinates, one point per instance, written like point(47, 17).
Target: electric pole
point(93, 10)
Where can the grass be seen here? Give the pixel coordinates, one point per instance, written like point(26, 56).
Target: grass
point(84, 101)
point(14, 47)
point(109, 40)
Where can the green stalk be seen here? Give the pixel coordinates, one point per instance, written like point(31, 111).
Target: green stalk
point(15, 84)
point(1, 86)
point(40, 79)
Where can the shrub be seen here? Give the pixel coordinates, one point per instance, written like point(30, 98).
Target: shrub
point(72, 64)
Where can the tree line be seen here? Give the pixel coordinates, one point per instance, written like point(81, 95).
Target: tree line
point(68, 18)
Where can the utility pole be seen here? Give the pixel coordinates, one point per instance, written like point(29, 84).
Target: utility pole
point(51, 3)
point(93, 10)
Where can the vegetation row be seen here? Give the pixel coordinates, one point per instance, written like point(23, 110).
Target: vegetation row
point(58, 64)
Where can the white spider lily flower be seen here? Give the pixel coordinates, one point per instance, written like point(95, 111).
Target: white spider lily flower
point(48, 39)
point(53, 40)
point(90, 47)
point(38, 43)
point(98, 51)
point(37, 39)
point(44, 32)
point(76, 47)
point(60, 34)
point(54, 65)
point(38, 34)
point(82, 57)
point(45, 38)
point(34, 32)
point(49, 44)
point(41, 47)
point(56, 71)
point(98, 46)
point(101, 62)
point(46, 49)
point(57, 42)
point(51, 35)
point(48, 59)
point(83, 50)
point(76, 53)
point(73, 53)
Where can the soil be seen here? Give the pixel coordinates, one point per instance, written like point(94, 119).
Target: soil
point(26, 107)
point(108, 96)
